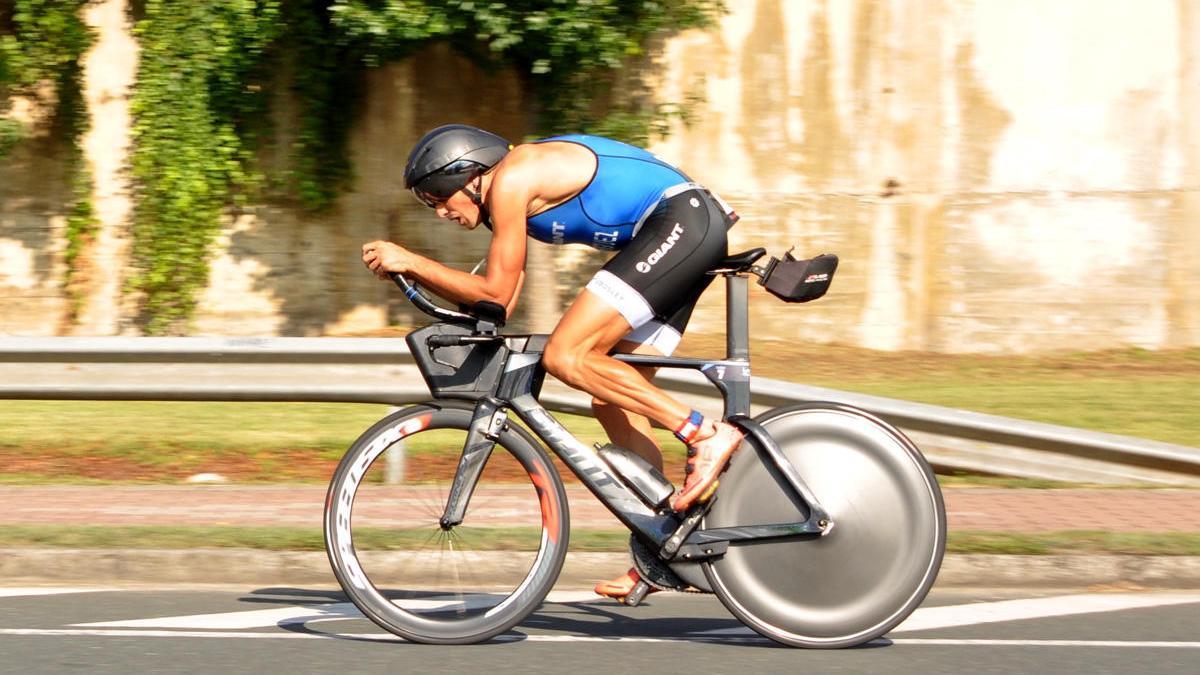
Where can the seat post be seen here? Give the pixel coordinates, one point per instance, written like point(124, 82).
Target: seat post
point(737, 317)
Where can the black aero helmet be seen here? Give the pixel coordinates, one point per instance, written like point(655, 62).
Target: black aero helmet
point(448, 158)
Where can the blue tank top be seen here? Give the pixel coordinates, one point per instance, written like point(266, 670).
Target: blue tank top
point(628, 183)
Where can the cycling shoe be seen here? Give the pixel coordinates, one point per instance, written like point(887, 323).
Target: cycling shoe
point(706, 459)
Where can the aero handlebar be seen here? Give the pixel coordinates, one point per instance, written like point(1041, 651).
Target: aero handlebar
point(423, 303)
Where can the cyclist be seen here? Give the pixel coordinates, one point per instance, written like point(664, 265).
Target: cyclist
point(667, 230)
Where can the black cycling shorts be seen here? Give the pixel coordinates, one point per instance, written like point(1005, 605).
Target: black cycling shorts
point(657, 278)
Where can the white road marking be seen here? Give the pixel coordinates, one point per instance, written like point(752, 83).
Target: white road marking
point(85, 632)
point(928, 618)
point(970, 614)
point(383, 637)
point(261, 618)
point(300, 614)
point(1151, 644)
point(22, 592)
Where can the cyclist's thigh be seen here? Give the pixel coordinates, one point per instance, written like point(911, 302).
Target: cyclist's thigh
point(591, 323)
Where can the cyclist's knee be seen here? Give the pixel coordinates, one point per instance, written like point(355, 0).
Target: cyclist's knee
point(563, 362)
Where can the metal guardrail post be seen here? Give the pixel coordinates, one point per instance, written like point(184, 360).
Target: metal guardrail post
point(393, 470)
point(394, 460)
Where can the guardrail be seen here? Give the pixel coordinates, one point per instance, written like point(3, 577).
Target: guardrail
point(380, 370)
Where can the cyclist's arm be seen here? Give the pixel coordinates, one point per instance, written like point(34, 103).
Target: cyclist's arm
point(500, 283)
point(504, 276)
point(513, 187)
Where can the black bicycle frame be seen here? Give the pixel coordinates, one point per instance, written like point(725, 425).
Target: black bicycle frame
point(674, 535)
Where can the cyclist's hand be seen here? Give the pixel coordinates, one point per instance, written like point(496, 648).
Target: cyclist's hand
point(384, 257)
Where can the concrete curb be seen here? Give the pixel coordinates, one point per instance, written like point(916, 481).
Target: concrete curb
point(582, 570)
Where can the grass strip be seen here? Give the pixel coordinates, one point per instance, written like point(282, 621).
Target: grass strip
point(305, 539)
point(282, 538)
point(1076, 541)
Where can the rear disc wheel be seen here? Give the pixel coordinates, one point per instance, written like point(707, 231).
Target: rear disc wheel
point(864, 576)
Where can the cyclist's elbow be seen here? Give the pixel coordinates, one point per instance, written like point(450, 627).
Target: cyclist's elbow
point(504, 291)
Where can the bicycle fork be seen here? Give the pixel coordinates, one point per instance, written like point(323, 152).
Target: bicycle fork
point(486, 424)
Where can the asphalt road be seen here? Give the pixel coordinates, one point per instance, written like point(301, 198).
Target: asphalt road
point(271, 630)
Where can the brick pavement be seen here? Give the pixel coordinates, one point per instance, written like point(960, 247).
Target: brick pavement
point(998, 510)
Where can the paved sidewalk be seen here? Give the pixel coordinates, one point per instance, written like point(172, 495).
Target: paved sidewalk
point(995, 510)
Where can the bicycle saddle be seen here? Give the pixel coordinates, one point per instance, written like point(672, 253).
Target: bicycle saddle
point(739, 262)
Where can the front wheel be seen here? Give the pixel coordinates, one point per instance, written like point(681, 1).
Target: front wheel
point(864, 576)
point(426, 583)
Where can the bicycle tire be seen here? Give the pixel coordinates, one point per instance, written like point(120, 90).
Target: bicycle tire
point(502, 573)
point(864, 576)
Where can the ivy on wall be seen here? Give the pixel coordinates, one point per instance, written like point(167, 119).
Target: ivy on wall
point(42, 41)
point(192, 108)
point(201, 99)
point(567, 51)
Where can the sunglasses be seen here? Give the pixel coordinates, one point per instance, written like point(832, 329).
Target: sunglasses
point(436, 188)
point(430, 199)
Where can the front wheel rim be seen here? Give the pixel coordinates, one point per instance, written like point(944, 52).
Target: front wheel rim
point(475, 586)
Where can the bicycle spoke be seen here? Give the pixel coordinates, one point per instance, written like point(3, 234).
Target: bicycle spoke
point(462, 600)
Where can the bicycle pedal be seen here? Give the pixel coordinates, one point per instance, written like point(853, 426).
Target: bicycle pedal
point(635, 597)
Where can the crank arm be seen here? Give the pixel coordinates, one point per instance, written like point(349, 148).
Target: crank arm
point(671, 547)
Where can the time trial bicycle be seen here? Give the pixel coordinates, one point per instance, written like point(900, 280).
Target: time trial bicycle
point(827, 528)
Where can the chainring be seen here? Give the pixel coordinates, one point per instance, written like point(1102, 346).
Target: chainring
point(652, 568)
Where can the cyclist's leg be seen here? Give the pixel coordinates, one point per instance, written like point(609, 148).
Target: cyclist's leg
point(578, 354)
point(625, 429)
point(633, 431)
point(656, 338)
point(663, 265)
point(654, 275)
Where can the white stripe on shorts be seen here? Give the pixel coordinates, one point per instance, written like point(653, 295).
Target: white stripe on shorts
point(622, 297)
point(667, 194)
point(656, 334)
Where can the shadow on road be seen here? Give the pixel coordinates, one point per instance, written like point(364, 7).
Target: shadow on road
point(600, 620)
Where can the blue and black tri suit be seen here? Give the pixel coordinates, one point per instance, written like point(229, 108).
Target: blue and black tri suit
point(667, 231)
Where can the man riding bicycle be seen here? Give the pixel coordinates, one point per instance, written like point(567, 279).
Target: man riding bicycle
point(667, 231)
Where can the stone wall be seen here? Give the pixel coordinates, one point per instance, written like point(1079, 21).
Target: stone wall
point(34, 194)
point(996, 175)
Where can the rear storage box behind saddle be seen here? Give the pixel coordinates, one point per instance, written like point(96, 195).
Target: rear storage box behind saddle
point(794, 280)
